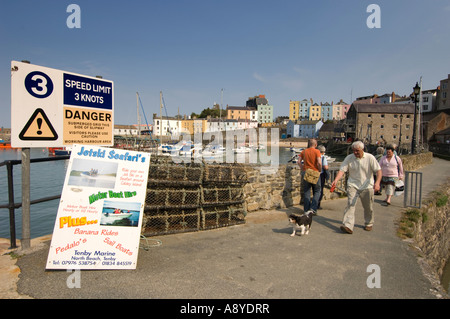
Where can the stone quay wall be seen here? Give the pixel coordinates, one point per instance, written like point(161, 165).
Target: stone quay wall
point(279, 186)
point(432, 234)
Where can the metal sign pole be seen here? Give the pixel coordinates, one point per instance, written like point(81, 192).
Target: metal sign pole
point(25, 242)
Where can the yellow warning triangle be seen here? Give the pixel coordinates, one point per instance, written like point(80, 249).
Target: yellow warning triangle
point(38, 128)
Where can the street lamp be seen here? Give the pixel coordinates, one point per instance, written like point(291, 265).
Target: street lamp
point(413, 143)
point(400, 135)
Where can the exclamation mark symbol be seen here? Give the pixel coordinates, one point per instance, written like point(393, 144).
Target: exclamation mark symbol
point(39, 124)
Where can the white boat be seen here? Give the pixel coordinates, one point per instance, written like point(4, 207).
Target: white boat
point(330, 159)
point(168, 149)
point(294, 159)
point(207, 152)
point(213, 150)
point(111, 218)
point(117, 216)
point(297, 149)
point(242, 150)
point(93, 173)
point(258, 148)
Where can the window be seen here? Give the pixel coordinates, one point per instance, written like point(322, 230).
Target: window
point(381, 126)
point(369, 115)
point(395, 116)
point(382, 116)
point(395, 126)
point(394, 137)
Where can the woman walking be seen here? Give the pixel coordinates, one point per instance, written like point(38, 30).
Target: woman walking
point(392, 170)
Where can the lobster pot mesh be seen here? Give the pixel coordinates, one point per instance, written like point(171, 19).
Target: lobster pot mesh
point(222, 195)
point(183, 197)
point(172, 198)
point(222, 216)
point(169, 221)
point(231, 174)
point(162, 170)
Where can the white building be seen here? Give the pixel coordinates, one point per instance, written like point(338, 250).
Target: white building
point(125, 130)
point(265, 113)
point(429, 100)
point(306, 129)
point(166, 126)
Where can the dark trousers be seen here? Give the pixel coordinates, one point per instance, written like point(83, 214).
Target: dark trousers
point(308, 202)
point(322, 178)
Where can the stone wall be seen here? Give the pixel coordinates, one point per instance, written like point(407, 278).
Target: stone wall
point(414, 162)
point(272, 188)
point(279, 187)
point(432, 233)
point(269, 188)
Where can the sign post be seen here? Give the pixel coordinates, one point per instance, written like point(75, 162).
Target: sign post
point(54, 108)
point(39, 99)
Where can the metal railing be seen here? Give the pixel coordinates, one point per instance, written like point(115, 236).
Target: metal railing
point(12, 206)
point(413, 189)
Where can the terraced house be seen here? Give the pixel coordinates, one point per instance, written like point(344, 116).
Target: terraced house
point(392, 123)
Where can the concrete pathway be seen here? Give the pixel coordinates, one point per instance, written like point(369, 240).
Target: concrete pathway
point(255, 260)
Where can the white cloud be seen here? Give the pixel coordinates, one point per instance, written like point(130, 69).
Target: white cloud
point(258, 77)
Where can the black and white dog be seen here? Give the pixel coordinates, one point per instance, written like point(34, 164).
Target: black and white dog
point(302, 222)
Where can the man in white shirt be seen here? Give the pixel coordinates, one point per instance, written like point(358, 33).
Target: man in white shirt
point(361, 167)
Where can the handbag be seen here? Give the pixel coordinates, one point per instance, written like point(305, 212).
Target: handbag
point(311, 176)
point(399, 188)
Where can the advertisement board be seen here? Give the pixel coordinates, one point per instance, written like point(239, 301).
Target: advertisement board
point(99, 219)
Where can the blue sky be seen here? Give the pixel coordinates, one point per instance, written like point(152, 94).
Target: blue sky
point(191, 49)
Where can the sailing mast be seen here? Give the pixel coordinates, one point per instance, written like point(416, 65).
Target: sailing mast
point(220, 110)
point(138, 114)
point(160, 114)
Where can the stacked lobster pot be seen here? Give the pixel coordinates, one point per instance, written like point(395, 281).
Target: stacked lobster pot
point(183, 197)
point(223, 195)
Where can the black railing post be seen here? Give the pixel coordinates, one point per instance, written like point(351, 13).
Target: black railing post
point(12, 218)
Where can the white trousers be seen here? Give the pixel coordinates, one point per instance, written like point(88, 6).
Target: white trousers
point(366, 197)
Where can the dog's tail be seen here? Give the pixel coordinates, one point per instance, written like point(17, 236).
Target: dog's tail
point(310, 213)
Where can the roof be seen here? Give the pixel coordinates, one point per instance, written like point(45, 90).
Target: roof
point(327, 127)
point(121, 126)
point(428, 116)
point(384, 108)
point(443, 132)
point(241, 108)
point(307, 122)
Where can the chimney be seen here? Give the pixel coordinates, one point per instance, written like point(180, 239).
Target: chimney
point(393, 97)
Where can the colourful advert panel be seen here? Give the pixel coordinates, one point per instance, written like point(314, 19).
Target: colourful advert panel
point(99, 218)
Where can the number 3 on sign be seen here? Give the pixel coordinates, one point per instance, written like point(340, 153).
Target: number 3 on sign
point(38, 84)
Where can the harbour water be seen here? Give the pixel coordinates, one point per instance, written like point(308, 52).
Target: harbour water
point(47, 179)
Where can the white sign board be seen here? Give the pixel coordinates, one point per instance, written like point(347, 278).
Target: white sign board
point(54, 108)
point(99, 219)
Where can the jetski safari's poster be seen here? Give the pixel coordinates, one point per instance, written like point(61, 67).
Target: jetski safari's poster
point(99, 218)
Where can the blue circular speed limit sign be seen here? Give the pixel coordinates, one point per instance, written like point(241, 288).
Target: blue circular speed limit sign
point(38, 84)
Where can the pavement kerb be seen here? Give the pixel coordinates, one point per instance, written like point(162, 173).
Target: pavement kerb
point(9, 274)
